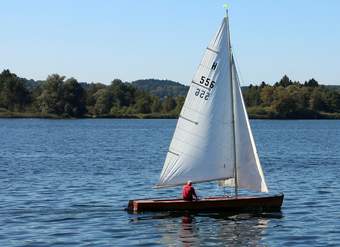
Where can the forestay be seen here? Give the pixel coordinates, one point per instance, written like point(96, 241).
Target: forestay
point(202, 147)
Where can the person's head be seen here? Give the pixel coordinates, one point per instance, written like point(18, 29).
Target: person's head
point(189, 183)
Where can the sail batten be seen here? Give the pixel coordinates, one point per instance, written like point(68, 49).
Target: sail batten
point(159, 186)
point(213, 125)
point(212, 50)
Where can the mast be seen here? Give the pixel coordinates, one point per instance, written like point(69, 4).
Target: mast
point(232, 107)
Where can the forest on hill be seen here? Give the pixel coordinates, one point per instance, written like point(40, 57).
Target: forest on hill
point(161, 88)
point(60, 97)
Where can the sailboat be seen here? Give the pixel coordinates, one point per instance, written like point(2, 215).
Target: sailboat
point(213, 140)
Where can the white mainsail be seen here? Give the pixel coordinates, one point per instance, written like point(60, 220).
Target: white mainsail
point(211, 138)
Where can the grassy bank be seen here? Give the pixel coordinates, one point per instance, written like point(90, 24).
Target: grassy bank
point(7, 114)
point(259, 112)
point(29, 115)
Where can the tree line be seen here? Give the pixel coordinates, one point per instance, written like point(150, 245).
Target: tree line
point(292, 99)
point(58, 96)
point(66, 97)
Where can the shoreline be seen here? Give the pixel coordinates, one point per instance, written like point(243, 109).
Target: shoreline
point(320, 116)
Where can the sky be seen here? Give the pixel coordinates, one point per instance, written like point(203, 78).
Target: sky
point(97, 41)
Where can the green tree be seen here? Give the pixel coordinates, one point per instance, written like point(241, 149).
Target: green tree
point(51, 98)
point(331, 100)
point(285, 106)
point(90, 92)
point(104, 101)
point(263, 84)
point(267, 95)
point(291, 102)
point(143, 102)
point(316, 101)
point(156, 105)
point(179, 104)
point(74, 98)
point(124, 94)
point(284, 82)
point(311, 83)
point(252, 96)
point(13, 94)
point(168, 104)
point(143, 105)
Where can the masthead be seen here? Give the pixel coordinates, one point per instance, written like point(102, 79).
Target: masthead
point(226, 6)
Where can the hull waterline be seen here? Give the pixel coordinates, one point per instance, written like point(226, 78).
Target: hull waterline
point(210, 204)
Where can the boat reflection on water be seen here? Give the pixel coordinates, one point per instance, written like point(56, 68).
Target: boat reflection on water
point(188, 233)
point(186, 229)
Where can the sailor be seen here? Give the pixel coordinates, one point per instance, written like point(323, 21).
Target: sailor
point(188, 192)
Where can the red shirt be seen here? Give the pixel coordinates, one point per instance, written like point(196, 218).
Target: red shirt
point(188, 192)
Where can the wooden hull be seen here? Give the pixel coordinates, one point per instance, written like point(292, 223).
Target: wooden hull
point(211, 204)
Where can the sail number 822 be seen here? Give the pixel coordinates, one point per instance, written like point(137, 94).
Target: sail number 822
point(202, 94)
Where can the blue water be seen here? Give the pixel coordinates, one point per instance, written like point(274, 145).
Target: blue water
point(66, 183)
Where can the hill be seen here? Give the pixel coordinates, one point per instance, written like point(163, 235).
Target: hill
point(333, 87)
point(161, 88)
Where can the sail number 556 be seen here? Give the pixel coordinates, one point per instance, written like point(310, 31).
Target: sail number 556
point(207, 82)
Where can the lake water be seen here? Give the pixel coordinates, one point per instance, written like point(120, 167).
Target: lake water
point(67, 182)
